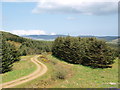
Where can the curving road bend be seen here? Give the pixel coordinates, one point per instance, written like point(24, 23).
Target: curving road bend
point(41, 69)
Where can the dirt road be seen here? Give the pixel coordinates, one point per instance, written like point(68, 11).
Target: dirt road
point(41, 69)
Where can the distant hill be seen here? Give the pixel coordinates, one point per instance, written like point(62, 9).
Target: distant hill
point(108, 38)
point(53, 37)
point(115, 41)
point(26, 46)
point(43, 37)
point(12, 37)
point(16, 38)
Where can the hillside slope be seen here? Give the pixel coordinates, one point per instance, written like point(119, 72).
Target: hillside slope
point(53, 37)
point(65, 75)
point(27, 46)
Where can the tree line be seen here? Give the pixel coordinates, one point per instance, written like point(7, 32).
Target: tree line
point(28, 46)
point(10, 54)
point(85, 51)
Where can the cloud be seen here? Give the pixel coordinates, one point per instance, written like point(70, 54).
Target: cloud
point(53, 33)
point(20, 0)
point(89, 7)
point(28, 32)
point(2, 30)
point(71, 18)
point(63, 1)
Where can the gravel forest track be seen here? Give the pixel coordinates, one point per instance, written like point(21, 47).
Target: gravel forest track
point(41, 69)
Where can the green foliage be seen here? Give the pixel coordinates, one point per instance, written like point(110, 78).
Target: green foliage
point(28, 46)
point(98, 53)
point(11, 37)
point(115, 47)
point(9, 55)
point(86, 51)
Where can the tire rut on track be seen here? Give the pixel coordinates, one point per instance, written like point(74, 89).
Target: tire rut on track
point(41, 69)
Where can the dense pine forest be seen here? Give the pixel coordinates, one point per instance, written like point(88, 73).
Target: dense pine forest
point(9, 55)
point(85, 51)
point(14, 46)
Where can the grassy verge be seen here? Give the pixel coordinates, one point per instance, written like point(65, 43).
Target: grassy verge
point(85, 77)
point(22, 68)
point(57, 72)
point(64, 75)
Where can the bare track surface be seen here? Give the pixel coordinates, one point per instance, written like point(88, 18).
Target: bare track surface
point(41, 69)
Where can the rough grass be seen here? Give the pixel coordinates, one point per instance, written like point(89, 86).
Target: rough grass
point(74, 76)
point(86, 77)
point(57, 72)
point(22, 68)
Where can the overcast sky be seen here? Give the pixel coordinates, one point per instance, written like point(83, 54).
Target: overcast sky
point(73, 17)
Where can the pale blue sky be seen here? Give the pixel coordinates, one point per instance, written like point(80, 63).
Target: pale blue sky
point(21, 16)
